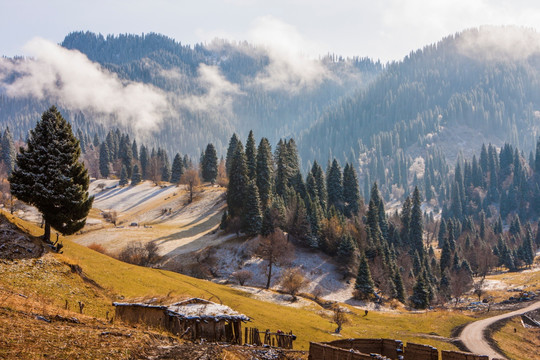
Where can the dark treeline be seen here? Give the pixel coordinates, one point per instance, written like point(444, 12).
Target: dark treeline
point(118, 156)
point(409, 256)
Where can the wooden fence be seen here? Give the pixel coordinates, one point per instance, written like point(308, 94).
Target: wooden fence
point(360, 349)
point(280, 339)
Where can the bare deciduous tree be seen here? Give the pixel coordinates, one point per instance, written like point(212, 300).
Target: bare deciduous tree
point(242, 276)
point(275, 250)
point(292, 281)
point(339, 317)
point(192, 180)
point(460, 282)
point(154, 169)
point(222, 179)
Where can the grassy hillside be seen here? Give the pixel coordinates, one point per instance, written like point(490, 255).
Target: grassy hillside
point(51, 277)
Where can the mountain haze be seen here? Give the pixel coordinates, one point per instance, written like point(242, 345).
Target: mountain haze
point(210, 91)
point(480, 85)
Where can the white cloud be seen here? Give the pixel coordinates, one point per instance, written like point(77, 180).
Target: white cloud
point(499, 43)
point(218, 93)
point(289, 68)
point(70, 79)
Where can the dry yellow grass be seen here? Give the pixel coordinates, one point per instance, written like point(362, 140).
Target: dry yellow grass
point(521, 344)
point(121, 280)
point(33, 328)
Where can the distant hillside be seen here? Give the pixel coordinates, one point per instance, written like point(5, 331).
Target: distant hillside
point(481, 85)
point(212, 90)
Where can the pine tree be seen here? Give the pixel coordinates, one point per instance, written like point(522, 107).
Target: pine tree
point(446, 256)
point(104, 160)
point(320, 181)
point(351, 192)
point(282, 168)
point(135, 150)
point(400, 289)
point(364, 283)
point(177, 169)
point(236, 190)
point(49, 176)
point(267, 222)
point(378, 201)
point(252, 210)
point(126, 154)
point(264, 172)
point(406, 220)
point(209, 164)
point(136, 176)
point(233, 142)
point(417, 227)
point(345, 250)
point(442, 234)
point(420, 296)
point(145, 161)
point(8, 151)
point(123, 176)
point(375, 234)
point(165, 165)
point(334, 186)
point(251, 157)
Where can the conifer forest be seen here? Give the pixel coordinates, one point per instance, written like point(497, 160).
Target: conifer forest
point(361, 165)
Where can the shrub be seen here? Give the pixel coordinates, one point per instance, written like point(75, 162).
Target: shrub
point(242, 276)
point(98, 247)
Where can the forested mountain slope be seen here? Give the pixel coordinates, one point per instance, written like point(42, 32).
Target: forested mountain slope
point(211, 90)
point(478, 85)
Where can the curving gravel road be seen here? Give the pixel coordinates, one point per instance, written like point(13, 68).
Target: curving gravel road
point(473, 338)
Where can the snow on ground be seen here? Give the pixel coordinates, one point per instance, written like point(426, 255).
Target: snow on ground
point(128, 199)
point(147, 212)
point(322, 273)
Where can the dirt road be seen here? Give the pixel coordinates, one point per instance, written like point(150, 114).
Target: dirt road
point(473, 334)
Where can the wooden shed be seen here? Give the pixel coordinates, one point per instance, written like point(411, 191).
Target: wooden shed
point(191, 319)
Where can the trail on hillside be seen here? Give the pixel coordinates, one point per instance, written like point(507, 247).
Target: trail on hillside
point(473, 337)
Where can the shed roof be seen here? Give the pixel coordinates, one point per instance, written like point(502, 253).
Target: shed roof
point(195, 309)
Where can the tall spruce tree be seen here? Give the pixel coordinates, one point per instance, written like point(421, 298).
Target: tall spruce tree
point(177, 169)
point(400, 289)
point(145, 161)
point(230, 153)
point(104, 160)
point(364, 283)
point(417, 226)
point(252, 221)
point(123, 176)
point(420, 296)
point(351, 192)
point(318, 175)
point(136, 176)
point(264, 172)
point(165, 165)
point(236, 191)
point(251, 157)
point(49, 175)
point(334, 186)
point(210, 164)
point(135, 150)
point(126, 154)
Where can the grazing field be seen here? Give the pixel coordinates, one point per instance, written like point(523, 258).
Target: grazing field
point(102, 279)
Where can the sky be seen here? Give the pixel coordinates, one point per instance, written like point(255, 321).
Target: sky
point(383, 29)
